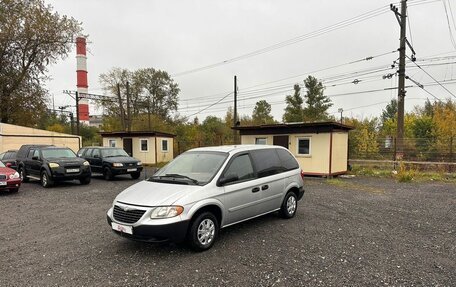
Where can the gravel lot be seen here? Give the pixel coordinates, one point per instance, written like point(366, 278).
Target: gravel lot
point(348, 232)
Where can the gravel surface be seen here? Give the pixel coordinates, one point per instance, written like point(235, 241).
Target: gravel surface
point(347, 232)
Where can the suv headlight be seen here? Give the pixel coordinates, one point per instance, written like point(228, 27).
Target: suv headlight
point(53, 165)
point(86, 163)
point(166, 211)
point(139, 163)
point(14, 175)
point(117, 164)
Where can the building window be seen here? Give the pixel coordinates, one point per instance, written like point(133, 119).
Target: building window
point(303, 146)
point(260, 141)
point(164, 145)
point(112, 143)
point(144, 143)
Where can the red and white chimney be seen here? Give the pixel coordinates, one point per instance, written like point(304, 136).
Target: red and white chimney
point(82, 83)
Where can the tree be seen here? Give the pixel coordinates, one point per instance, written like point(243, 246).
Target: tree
point(32, 37)
point(317, 104)
point(151, 91)
point(262, 113)
point(390, 111)
point(293, 110)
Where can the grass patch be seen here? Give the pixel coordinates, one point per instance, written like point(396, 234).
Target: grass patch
point(404, 174)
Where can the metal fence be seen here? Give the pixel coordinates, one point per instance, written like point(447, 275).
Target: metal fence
point(415, 149)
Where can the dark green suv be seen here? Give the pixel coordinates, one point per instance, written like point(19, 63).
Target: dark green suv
point(111, 161)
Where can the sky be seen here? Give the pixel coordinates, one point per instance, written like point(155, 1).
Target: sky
point(270, 46)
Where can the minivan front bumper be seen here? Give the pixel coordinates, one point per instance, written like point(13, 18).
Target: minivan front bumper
point(175, 232)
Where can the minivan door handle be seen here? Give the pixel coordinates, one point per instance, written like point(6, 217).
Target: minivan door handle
point(255, 189)
point(264, 187)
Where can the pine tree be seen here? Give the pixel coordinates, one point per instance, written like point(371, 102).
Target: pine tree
point(293, 110)
point(317, 104)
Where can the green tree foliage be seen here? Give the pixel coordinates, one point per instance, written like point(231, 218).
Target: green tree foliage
point(262, 113)
point(316, 103)
point(363, 140)
point(151, 92)
point(293, 110)
point(32, 36)
point(390, 111)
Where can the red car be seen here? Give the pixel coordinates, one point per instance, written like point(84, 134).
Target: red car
point(9, 179)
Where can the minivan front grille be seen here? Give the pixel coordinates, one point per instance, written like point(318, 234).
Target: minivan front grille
point(127, 216)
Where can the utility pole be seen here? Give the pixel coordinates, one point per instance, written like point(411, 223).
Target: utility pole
point(128, 108)
point(401, 18)
point(122, 115)
point(235, 111)
point(148, 113)
point(71, 123)
point(77, 112)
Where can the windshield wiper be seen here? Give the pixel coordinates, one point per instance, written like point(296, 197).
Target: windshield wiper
point(176, 175)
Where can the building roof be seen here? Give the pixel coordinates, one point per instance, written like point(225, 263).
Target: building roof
point(293, 128)
point(124, 134)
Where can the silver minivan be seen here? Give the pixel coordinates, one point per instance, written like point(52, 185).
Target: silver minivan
point(205, 189)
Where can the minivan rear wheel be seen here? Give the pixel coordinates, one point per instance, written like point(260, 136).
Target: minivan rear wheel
point(289, 205)
point(203, 231)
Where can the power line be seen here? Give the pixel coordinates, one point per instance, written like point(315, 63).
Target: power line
point(319, 32)
point(433, 79)
point(449, 25)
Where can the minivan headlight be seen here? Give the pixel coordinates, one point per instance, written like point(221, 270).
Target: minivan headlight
point(117, 164)
point(166, 211)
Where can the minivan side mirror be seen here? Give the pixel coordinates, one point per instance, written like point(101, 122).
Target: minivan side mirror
point(228, 178)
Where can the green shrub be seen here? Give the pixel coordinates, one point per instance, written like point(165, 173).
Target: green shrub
point(404, 174)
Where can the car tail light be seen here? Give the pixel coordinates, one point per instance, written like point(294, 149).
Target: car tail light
point(302, 174)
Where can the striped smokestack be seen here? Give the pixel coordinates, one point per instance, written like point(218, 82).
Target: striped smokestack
point(82, 83)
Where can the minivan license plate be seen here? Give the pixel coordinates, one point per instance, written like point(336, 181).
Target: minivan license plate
point(72, 170)
point(122, 228)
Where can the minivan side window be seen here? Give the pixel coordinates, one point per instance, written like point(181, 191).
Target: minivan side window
point(241, 166)
point(267, 162)
point(288, 161)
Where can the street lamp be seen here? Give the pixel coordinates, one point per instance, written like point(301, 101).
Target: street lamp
point(340, 110)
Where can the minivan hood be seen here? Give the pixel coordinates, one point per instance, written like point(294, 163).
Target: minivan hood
point(148, 193)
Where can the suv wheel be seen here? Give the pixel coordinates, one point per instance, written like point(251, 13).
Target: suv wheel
point(46, 180)
point(135, 175)
point(107, 173)
point(203, 231)
point(85, 180)
point(22, 174)
point(289, 205)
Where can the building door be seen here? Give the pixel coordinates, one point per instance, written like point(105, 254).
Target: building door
point(280, 141)
point(128, 146)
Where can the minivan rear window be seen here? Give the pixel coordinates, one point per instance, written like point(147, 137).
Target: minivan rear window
point(267, 162)
point(288, 161)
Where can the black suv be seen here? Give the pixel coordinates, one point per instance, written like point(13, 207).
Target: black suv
point(50, 163)
point(111, 161)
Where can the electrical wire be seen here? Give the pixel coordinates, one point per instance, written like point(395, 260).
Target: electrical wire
point(449, 25)
point(292, 41)
point(433, 78)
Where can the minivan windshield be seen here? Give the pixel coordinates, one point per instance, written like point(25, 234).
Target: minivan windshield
point(58, 152)
point(196, 167)
point(111, 152)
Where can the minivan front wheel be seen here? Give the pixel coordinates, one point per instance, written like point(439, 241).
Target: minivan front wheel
point(204, 231)
point(289, 205)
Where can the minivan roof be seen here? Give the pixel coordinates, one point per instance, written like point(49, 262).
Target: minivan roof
point(235, 148)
